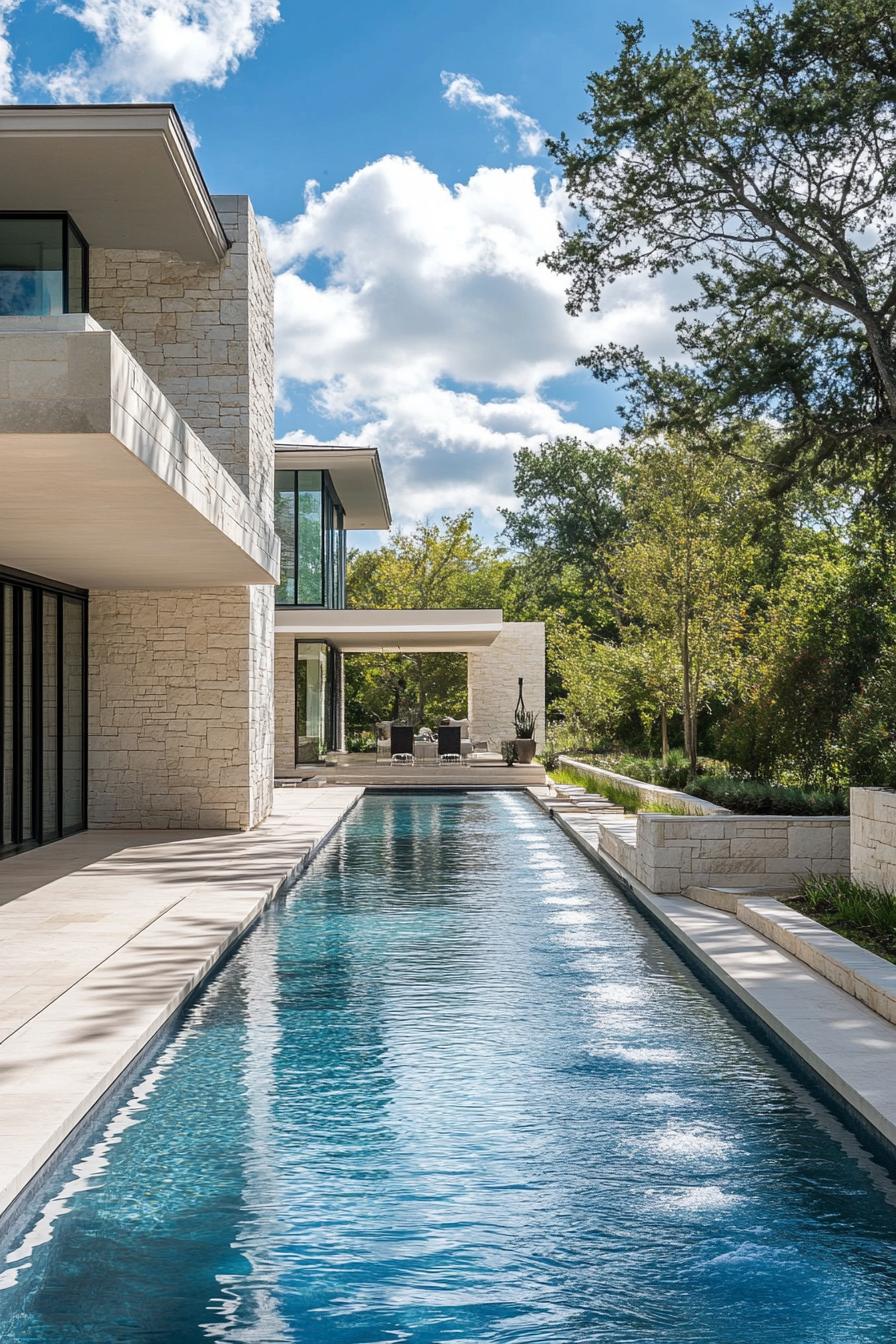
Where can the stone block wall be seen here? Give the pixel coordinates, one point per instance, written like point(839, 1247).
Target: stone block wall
point(674, 853)
point(649, 793)
point(492, 682)
point(284, 705)
point(182, 683)
point(178, 683)
point(872, 854)
point(205, 335)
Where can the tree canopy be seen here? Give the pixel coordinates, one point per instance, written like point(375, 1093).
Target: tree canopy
point(759, 161)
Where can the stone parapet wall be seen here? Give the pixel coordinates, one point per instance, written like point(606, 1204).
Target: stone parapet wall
point(492, 682)
point(872, 857)
point(180, 708)
point(674, 853)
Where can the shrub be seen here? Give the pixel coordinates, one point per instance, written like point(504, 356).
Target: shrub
point(360, 742)
point(756, 796)
point(864, 913)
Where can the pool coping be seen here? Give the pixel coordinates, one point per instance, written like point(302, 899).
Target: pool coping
point(59, 1064)
point(844, 1045)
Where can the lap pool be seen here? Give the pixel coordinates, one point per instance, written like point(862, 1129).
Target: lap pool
point(455, 1088)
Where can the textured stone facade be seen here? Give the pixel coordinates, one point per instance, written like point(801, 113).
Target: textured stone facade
point(182, 683)
point(872, 856)
point(493, 682)
point(674, 853)
point(175, 738)
point(284, 705)
point(205, 336)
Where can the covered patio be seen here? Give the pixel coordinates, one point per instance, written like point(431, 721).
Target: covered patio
point(309, 690)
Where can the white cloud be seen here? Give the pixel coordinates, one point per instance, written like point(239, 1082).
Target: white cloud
point(430, 328)
point(500, 108)
point(7, 83)
point(147, 47)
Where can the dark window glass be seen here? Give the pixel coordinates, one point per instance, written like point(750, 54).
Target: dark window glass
point(310, 558)
point(27, 683)
point(77, 266)
point(285, 523)
point(311, 701)
point(6, 714)
point(50, 709)
point(31, 272)
point(72, 713)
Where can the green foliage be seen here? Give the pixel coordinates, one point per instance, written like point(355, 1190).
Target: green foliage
point(615, 793)
point(754, 796)
point(864, 913)
point(671, 773)
point(869, 728)
point(435, 565)
point(360, 742)
point(508, 752)
point(524, 721)
point(760, 161)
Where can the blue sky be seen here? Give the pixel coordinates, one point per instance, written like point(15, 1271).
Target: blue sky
point(411, 311)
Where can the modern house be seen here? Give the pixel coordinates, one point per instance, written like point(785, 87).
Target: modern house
point(141, 531)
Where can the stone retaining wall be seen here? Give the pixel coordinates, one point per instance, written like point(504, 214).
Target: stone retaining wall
point(674, 853)
point(873, 837)
point(649, 793)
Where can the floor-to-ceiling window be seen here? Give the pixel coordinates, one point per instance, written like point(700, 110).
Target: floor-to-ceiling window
point(43, 712)
point(310, 524)
point(317, 676)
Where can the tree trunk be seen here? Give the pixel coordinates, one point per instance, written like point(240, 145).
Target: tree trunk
point(690, 716)
point(664, 733)
point(421, 691)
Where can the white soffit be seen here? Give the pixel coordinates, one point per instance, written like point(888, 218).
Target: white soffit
point(357, 478)
point(125, 173)
point(366, 631)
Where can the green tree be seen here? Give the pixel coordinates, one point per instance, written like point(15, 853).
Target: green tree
point(684, 569)
point(760, 160)
point(567, 519)
point(433, 565)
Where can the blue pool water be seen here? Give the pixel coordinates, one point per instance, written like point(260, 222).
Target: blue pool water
point(454, 1088)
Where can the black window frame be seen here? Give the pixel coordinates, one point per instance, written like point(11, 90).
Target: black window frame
point(66, 222)
point(332, 544)
point(40, 832)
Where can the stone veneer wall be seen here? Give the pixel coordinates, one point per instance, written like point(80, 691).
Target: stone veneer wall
point(674, 853)
point(872, 851)
point(173, 680)
point(284, 705)
point(492, 682)
point(182, 698)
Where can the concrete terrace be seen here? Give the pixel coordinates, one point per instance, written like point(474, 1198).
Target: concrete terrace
point(104, 935)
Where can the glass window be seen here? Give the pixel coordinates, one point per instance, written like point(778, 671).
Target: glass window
point(31, 256)
point(310, 557)
point(285, 523)
point(27, 694)
point(6, 714)
point(50, 723)
point(43, 266)
point(72, 713)
point(77, 271)
point(311, 701)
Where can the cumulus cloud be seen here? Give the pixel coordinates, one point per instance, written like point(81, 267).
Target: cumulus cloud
point(147, 47)
point(500, 108)
point(7, 83)
point(430, 328)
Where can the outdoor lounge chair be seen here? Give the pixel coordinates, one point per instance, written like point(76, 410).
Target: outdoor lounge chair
point(449, 745)
point(402, 744)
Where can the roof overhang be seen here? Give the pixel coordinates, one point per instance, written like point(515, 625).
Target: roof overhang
point(102, 484)
point(125, 173)
point(356, 475)
point(454, 631)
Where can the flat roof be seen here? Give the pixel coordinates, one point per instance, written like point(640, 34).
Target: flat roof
point(439, 630)
point(357, 476)
point(125, 172)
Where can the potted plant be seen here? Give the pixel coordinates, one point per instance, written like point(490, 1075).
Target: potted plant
point(524, 722)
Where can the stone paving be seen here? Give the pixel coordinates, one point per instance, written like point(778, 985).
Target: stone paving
point(103, 936)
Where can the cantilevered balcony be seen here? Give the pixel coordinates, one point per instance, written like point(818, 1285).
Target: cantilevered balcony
point(102, 483)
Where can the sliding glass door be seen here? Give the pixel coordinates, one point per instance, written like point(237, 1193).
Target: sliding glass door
point(317, 683)
point(43, 713)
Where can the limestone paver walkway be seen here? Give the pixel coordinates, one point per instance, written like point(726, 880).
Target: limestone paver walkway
point(103, 936)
